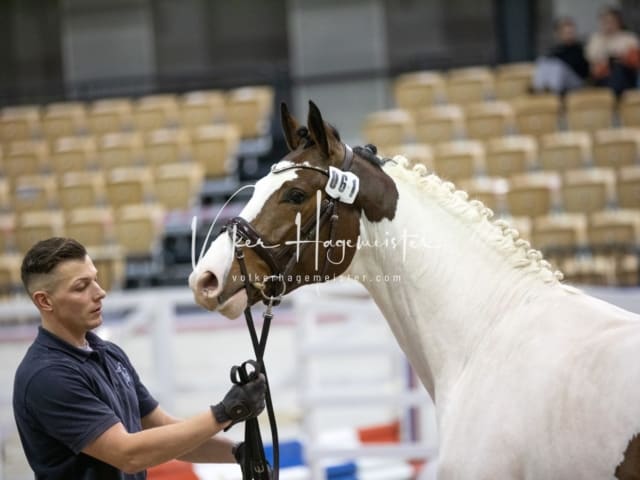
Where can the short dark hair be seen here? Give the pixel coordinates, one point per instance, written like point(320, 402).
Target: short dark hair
point(46, 255)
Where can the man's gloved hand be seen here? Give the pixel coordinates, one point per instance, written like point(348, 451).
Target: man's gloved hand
point(241, 402)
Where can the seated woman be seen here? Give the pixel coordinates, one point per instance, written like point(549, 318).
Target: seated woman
point(614, 53)
point(564, 67)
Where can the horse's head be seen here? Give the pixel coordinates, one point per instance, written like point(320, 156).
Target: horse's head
point(300, 226)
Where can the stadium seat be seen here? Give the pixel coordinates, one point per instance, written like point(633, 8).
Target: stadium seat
point(91, 226)
point(155, 111)
point(469, 85)
point(33, 226)
point(81, 189)
point(628, 186)
point(7, 231)
point(418, 90)
point(110, 115)
point(536, 114)
point(120, 150)
point(441, 123)
point(129, 185)
point(10, 281)
point(489, 190)
point(250, 109)
point(177, 184)
point(459, 160)
point(560, 235)
point(533, 194)
point(109, 260)
point(73, 154)
point(588, 190)
point(590, 109)
point(64, 119)
point(513, 80)
point(6, 199)
point(591, 270)
point(138, 228)
point(34, 192)
point(563, 151)
point(511, 154)
point(202, 107)
point(19, 123)
point(488, 119)
point(416, 153)
point(616, 147)
point(387, 128)
point(28, 157)
point(166, 146)
point(629, 108)
point(615, 229)
point(214, 148)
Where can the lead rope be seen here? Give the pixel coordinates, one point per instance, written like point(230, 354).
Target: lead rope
point(255, 464)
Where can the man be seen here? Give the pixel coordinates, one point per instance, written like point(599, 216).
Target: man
point(81, 410)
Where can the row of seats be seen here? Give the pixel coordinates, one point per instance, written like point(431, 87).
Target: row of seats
point(248, 108)
point(212, 147)
point(588, 109)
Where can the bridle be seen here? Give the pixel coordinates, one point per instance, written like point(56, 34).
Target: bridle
point(281, 261)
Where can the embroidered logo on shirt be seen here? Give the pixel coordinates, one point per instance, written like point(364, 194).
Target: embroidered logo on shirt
point(124, 373)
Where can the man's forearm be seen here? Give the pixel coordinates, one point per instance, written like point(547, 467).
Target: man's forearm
point(213, 450)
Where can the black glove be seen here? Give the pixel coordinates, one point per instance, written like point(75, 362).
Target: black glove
point(239, 451)
point(241, 402)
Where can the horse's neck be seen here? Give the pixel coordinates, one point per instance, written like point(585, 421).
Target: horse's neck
point(441, 289)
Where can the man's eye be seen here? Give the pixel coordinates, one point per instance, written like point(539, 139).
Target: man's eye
point(295, 196)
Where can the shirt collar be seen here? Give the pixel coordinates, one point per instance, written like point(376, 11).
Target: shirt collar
point(49, 340)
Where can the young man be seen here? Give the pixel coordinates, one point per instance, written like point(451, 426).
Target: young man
point(81, 410)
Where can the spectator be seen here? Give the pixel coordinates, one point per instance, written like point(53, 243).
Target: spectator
point(613, 53)
point(81, 409)
point(564, 67)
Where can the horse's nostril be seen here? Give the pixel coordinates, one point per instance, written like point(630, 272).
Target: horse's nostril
point(208, 284)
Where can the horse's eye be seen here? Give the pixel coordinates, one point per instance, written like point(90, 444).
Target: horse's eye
point(295, 196)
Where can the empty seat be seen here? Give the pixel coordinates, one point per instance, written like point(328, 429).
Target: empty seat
point(250, 109)
point(628, 186)
point(588, 190)
point(19, 123)
point(6, 199)
point(489, 190)
point(536, 114)
point(563, 151)
point(488, 119)
point(33, 226)
point(120, 150)
point(417, 90)
point(28, 157)
point(128, 185)
point(110, 115)
point(469, 85)
point(10, 281)
point(155, 111)
point(91, 226)
point(560, 235)
point(7, 232)
point(459, 160)
point(590, 109)
point(167, 146)
point(628, 270)
point(214, 148)
point(416, 153)
point(73, 154)
point(615, 229)
point(616, 147)
point(511, 154)
point(64, 119)
point(533, 194)
point(109, 260)
point(138, 228)
point(386, 128)
point(177, 184)
point(34, 192)
point(590, 270)
point(81, 189)
point(442, 123)
point(513, 80)
point(202, 107)
point(629, 108)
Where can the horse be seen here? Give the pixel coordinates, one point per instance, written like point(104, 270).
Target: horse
point(531, 377)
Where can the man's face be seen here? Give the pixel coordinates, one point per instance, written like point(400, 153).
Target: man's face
point(76, 297)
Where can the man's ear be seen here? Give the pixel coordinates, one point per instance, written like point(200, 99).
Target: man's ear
point(42, 300)
point(317, 129)
point(289, 127)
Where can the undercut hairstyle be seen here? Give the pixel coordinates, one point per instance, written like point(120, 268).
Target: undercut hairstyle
point(46, 255)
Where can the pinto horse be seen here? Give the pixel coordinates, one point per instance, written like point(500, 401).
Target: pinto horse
point(531, 378)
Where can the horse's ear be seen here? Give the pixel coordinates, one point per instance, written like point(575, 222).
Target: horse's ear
point(289, 127)
point(317, 129)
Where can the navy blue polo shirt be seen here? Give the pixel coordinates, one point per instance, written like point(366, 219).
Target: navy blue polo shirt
point(65, 397)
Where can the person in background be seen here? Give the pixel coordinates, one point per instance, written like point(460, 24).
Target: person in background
point(82, 411)
point(565, 66)
point(614, 53)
